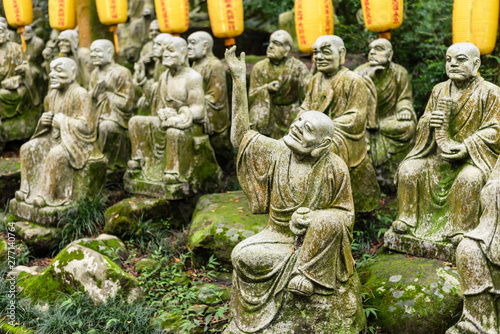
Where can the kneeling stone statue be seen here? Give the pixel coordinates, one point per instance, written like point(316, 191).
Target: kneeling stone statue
point(298, 274)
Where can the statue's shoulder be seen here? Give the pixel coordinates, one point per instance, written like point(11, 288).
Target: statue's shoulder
point(14, 47)
point(120, 70)
point(296, 62)
point(259, 66)
point(440, 87)
point(337, 164)
point(361, 67)
point(351, 77)
point(78, 91)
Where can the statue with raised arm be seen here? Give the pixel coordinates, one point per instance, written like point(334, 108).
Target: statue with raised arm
point(200, 46)
point(112, 93)
point(391, 119)
point(61, 163)
point(169, 150)
point(298, 274)
point(277, 87)
point(458, 141)
point(68, 44)
point(342, 95)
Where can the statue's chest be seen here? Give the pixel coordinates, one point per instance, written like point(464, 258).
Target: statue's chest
point(176, 89)
point(3, 58)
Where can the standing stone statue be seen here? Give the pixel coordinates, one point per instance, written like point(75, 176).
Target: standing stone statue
point(170, 153)
point(277, 87)
point(147, 49)
point(68, 44)
point(34, 46)
point(112, 92)
point(200, 46)
point(298, 274)
point(135, 30)
point(457, 145)
point(61, 163)
point(342, 95)
point(392, 122)
point(478, 262)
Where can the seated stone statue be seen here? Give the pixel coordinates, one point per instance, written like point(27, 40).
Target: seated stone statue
point(342, 95)
point(200, 46)
point(478, 262)
point(136, 28)
point(34, 46)
point(277, 87)
point(458, 141)
point(68, 44)
point(55, 162)
point(298, 274)
point(392, 122)
point(147, 49)
point(112, 92)
point(167, 146)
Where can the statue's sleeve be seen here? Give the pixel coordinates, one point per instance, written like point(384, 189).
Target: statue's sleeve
point(216, 88)
point(305, 79)
point(308, 98)
point(405, 97)
point(255, 168)
point(122, 94)
point(258, 97)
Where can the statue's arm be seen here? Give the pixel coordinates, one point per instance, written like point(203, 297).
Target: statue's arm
point(123, 93)
point(240, 119)
point(196, 99)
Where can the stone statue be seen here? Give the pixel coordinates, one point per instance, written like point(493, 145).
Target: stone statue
point(61, 163)
point(147, 49)
point(342, 95)
point(147, 72)
point(392, 122)
point(134, 31)
point(200, 46)
point(277, 87)
point(112, 92)
point(458, 142)
point(68, 44)
point(20, 92)
point(169, 147)
point(34, 46)
point(49, 53)
point(298, 274)
point(478, 262)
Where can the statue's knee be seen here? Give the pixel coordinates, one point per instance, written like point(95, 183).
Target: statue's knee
point(471, 177)
point(410, 169)
point(467, 249)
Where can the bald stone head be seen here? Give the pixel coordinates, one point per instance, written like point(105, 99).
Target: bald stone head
point(200, 45)
point(175, 53)
point(280, 45)
point(62, 73)
point(329, 54)
point(310, 134)
point(158, 44)
point(3, 32)
point(67, 41)
point(28, 33)
point(102, 52)
point(380, 52)
point(154, 29)
point(462, 62)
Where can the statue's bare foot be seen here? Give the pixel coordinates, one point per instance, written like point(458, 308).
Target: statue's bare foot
point(301, 285)
point(133, 164)
point(400, 227)
point(171, 178)
point(20, 196)
point(39, 201)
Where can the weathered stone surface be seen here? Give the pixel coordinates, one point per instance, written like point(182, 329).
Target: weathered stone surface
point(10, 177)
point(146, 265)
point(412, 295)
point(38, 238)
point(220, 222)
point(108, 245)
point(26, 271)
point(77, 268)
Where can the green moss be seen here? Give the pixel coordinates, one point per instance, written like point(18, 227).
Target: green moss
point(8, 329)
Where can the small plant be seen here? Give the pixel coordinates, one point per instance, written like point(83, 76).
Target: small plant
point(150, 235)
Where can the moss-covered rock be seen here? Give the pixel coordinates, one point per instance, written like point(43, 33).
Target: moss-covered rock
point(38, 238)
point(10, 177)
point(220, 222)
point(212, 294)
point(3, 250)
point(108, 245)
point(412, 295)
point(77, 268)
point(146, 265)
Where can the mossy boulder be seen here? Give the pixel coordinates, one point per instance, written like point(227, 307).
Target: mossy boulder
point(146, 265)
point(10, 178)
point(78, 268)
point(412, 295)
point(39, 239)
point(108, 245)
point(220, 222)
point(3, 250)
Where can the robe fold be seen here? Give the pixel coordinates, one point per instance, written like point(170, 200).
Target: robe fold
point(265, 263)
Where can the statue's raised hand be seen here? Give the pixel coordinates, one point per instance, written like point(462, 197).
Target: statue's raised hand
point(237, 67)
point(300, 221)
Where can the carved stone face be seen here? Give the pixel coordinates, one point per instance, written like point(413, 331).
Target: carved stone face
point(154, 29)
point(64, 45)
point(158, 48)
point(100, 54)
point(461, 63)
point(196, 47)
point(277, 49)
point(305, 134)
point(3, 34)
point(61, 74)
point(326, 56)
point(173, 56)
point(28, 34)
point(380, 53)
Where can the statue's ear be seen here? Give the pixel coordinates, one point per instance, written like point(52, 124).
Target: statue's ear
point(325, 145)
point(342, 53)
point(477, 64)
point(206, 47)
point(391, 52)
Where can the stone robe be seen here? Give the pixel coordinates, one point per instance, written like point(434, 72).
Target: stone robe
point(265, 263)
point(114, 108)
point(50, 158)
point(438, 198)
point(391, 92)
point(273, 113)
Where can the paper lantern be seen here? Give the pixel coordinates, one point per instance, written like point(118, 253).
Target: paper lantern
point(19, 14)
point(313, 18)
point(476, 22)
point(62, 14)
point(112, 13)
point(226, 19)
point(382, 15)
point(172, 15)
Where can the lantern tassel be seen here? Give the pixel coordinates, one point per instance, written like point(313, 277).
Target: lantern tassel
point(21, 31)
point(385, 34)
point(113, 28)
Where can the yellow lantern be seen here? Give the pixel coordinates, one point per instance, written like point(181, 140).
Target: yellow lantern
point(62, 14)
point(313, 19)
point(382, 15)
point(476, 22)
point(19, 14)
point(112, 13)
point(172, 15)
point(226, 18)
